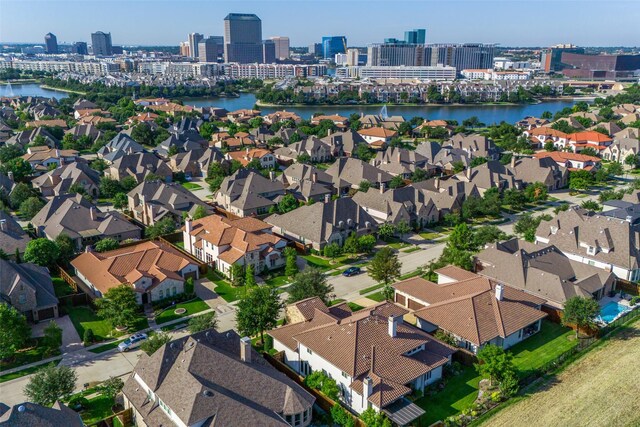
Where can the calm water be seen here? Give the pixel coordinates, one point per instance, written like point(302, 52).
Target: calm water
point(486, 113)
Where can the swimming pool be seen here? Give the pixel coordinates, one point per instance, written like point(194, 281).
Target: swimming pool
point(611, 311)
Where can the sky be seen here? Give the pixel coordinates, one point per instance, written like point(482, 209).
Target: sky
point(167, 22)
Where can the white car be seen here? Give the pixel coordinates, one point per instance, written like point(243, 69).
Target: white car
point(132, 342)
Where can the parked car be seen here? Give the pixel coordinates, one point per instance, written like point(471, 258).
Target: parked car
point(351, 271)
point(132, 342)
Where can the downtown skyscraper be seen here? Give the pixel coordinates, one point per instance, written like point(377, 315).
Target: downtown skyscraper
point(243, 38)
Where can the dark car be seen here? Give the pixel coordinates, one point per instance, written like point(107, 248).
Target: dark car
point(351, 271)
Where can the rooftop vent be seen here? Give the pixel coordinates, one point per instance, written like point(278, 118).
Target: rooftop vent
point(207, 393)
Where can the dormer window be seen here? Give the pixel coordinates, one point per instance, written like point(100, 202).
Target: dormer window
point(591, 250)
point(554, 230)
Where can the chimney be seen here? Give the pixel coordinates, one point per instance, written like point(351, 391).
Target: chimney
point(150, 214)
point(314, 177)
point(367, 390)
point(327, 198)
point(57, 153)
point(436, 183)
point(382, 187)
point(3, 225)
point(513, 160)
point(245, 349)
point(247, 151)
point(272, 175)
point(92, 213)
point(393, 325)
point(467, 173)
point(399, 157)
point(499, 291)
point(10, 175)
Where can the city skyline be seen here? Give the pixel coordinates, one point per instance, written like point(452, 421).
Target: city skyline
point(464, 21)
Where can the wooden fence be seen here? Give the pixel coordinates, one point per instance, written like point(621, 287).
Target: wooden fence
point(628, 287)
point(125, 418)
point(68, 279)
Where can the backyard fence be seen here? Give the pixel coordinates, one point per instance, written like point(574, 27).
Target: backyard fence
point(627, 317)
point(464, 357)
point(628, 287)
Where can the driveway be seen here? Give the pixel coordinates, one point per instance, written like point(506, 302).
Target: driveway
point(71, 341)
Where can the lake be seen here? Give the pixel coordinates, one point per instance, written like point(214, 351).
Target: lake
point(486, 113)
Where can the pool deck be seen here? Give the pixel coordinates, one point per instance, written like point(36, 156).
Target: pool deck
point(606, 300)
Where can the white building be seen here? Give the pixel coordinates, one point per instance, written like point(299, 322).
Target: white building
point(438, 72)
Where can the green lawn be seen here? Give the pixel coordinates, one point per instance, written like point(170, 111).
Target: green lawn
point(427, 235)
point(413, 249)
point(106, 347)
point(410, 275)
point(179, 244)
point(61, 288)
point(371, 288)
point(319, 263)
point(462, 390)
point(23, 372)
point(377, 296)
point(194, 306)
point(84, 318)
point(354, 307)
point(191, 186)
point(99, 408)
point(277, 281)
point(223, 287)
point(32, 354)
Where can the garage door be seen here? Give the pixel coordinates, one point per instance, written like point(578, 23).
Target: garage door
point(414, 305)
point(47, 313)
point(400, 299)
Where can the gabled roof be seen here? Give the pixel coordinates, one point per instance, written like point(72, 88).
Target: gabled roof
point(29, 414)
point(14, 276)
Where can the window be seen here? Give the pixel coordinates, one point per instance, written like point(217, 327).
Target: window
point(344, 374)
point(161, 293)
point(428, 375)
point(174, 291)
point(309, 350)
point(22, 299)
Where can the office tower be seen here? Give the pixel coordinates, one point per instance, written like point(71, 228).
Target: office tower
point(552, 57)
point(51, 43)
point(282, 47)
point(80, 48)
point(315, 49)
point(101, 44)
point(211, 49)
point(184, 48)
point(395, 54)
point(415, 36)
point(243, 38)
point(268, 52)
point(194, 39)
point(332, 45)
point(463, 56)
point(352, 57)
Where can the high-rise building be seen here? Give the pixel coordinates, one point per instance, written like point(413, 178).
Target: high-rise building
point(552, 57)
point(194, 39)
point(268, 52)
point(415, 36)
point(51, 43)
point(395, 54)
point(353, 56)
point(461, 56)
point(184, 48)
point(282, 47)
point(243, 38)
point(315, 49)
point(101, 44)
point(332, 45)
point(211, 49)
point(80, 48)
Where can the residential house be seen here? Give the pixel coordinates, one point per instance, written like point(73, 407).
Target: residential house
point(265, 157)
point(476, 311)
point(73, 215)
point(350, 172)
point(492, 174)
point(242, 116)
point(377, 136)
point(60, 180)
point(32, 414)
point(545, 170)
point(48, 123)
point(82, 104)
point(247, 193)
point(320, 224)
point(139, 165)
point(239, 141)
point(408, 204)
point(298, 172)
point(12, 237)
point(628, 132)
point(542, 270)
point(28, 288)
point(529, 123)
point(317, 150)
point(339, 121)
point(588, 139)
point(90, 131)
point(6, 184)
point(401, 162)
point(571, 161)
point(388, 122)
point(375, 357)
point(628, 208)
point(29, 136)
point(222, 242)
point(344, 143)
point(210, 155)
point(121, 145)
point(622, 148)
point(154, 270)
point(213, 379)
point(152, 201)
point(590, 238)
point(42, 158)
point(444, 157)
point(180, 143)
point(540, 136)
point(447, 194)
point(281, 116)
point(611, 127)
point(144, 117)
point(475, 145)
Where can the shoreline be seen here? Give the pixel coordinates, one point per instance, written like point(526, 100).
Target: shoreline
point(62, 90)
point(483, 104)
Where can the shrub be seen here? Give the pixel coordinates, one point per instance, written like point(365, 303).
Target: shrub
point(496, 396)
point(89, 337)
point(78, 402)
point(635, 300)
point(268, 343)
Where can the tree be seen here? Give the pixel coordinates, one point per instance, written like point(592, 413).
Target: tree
point(341, 417)
point(249, 276)
point(111, 387)
point(419, 175)
point(310, 283)
point(549, 146)
point(396, 182)
point(237, 275)
point(89, 337)
point(50, 384)
point(291, 266)
point(41, 251)
point(203, 322)
point(30, 207)
point(363, 152)
point(614, 169)
point(384, 266)
point(372, 418)
point(515, 198)
point(589, 152)
point(160, 228)
point(351, 244)
point(154, 342)
point(19, 167)
point(366, 243)
point(287, 203)
point(107, 244)
point(52, 339)
point(66, 248)
point(19, 194)
point(200, 212)
point(109, 187)
point(495, 362)
point(128, 183)
point(590, 205)
point(332, 250)
point(388, 292)
point(403, 228)
point(118, 306)
point(580, 312)
point(364, 186)
point(526, 226)
point(15, 331)
point(386, 230)
point(258, 311)
point(631, 160)
point(536, 191)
